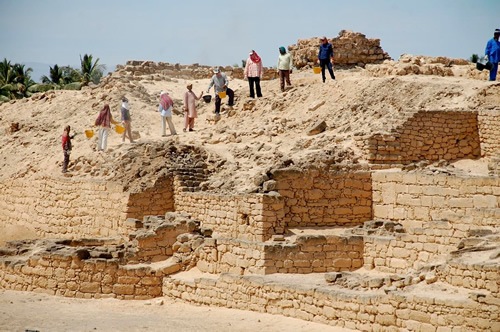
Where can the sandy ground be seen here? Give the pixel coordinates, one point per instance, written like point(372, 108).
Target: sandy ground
point(22, 311)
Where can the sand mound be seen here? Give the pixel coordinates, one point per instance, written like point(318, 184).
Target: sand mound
point(279, 129)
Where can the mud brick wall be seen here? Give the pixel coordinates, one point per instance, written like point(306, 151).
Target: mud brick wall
point(467, 202)
point(433, 136)
point(324, 198)
point(349, 309)
point(489, 132)
point(72, 277)
point(246, 217)
point(309, 255)
point(70, 208)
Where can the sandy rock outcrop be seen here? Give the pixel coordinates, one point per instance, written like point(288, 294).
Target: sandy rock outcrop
point(135, 70)
point(424, 65)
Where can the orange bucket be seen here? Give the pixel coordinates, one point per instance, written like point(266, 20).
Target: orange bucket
point(119, 129)
point(222, 94)
point(89, 133)
point(316, 70)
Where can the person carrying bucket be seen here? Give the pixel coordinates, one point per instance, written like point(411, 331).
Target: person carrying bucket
point(325, 58)
point(220, 83)
point(126, 120)
point(492, 51)
point(104, 120)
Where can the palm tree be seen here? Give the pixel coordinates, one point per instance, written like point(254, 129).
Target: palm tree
point(22, 77)
point(70, 75)
point(56, 75)
point(91, 71)
point(6, 75)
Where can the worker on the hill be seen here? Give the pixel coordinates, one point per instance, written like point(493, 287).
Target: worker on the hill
point(190, 108)
point(66, 145)
point(325, 58)
point(165, 109)
point(220, 83)
point(493, 53)
point(253, 72)
point(285, 64)
point(104, 120)
point(126, 120)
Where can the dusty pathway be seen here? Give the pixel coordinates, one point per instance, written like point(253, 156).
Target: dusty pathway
point(23, 311)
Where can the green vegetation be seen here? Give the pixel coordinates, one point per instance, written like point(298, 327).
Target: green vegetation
point(91, 71)
point(473, 58)
point(16, 82)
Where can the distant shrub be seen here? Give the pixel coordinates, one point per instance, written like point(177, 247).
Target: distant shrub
point(73, 86)
point(474, 58)
point(41, 87)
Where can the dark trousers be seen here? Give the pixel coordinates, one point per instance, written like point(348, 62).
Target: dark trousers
point(493, 72)
point(284, 76)
point(66, 161)
point(254, 81)
point(230, 94)
point(326, 63)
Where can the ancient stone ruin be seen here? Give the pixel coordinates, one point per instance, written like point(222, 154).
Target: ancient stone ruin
point(351, 48)
point(400, 243)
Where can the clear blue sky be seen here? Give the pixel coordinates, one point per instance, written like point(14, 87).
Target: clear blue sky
point(222, 32)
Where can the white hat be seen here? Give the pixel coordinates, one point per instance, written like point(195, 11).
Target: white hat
point(163, 92)
point(216, 70)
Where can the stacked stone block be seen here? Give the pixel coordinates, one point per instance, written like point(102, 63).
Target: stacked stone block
point(246, 217)
point(361, 310)
point(467, 202)
point(350, 48)
point(153, 201)
point(475, 276)
point(489, 132)
point(139, 70)
point(156, 237)
point(421, 244)
point(64, 208)
point(436, 135)
point(308, 254)
point(324, 198)
point(73, 208)
point(70, 276)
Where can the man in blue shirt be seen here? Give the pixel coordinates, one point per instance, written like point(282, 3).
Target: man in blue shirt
point(493, 53)
point(325, 58)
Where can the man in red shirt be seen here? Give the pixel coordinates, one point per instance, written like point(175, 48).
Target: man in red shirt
point(66, 145)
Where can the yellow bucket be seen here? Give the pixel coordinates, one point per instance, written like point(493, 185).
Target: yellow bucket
point(89, 133)
point(317, 70)
point(222, 94)
point(119, 129)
